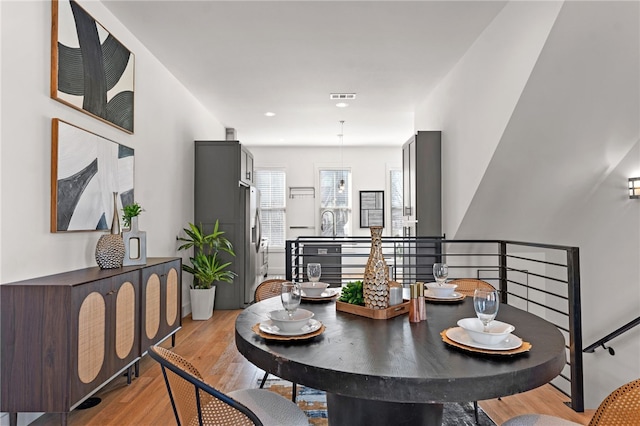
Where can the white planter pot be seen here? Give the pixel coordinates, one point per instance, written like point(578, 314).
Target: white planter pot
point(202, 303)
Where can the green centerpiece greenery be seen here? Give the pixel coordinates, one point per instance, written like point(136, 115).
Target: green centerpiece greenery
point(352, 293)
point(130, 211)
point(206, 265)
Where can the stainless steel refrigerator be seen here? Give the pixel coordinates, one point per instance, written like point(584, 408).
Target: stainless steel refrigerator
point(253, 264)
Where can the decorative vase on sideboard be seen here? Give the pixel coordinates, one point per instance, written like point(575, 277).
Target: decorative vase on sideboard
point(375, 286)
point(110, 248)
point(135, 244)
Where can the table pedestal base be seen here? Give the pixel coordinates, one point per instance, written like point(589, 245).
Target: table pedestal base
point(348, 411)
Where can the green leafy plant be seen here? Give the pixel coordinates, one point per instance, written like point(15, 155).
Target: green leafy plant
point(353, 293)
point(206, 265)
point(129, 211)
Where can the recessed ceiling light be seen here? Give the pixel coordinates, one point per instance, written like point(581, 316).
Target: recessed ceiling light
point(269, 114)
point(342, 104)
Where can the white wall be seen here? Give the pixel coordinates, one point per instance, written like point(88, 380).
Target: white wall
point(473, 104)
point(370, 169)
point(546, 146)
point(167, 121)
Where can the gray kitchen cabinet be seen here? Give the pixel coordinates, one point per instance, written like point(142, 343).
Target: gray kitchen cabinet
point(422, 189)
point(223, 177)
point(246, 166)
point(422, 205)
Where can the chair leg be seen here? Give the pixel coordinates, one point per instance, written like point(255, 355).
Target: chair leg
point(264, 379)
point(294, 390)
point(475, 409)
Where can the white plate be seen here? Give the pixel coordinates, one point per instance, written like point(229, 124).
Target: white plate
point(327, 294)
point(454, 295)
point(458, 335)
point(310, 327)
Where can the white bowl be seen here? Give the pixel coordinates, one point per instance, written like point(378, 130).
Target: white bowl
point(444, 290)
point(496, 333)
point(313, 289)
point(280, 319)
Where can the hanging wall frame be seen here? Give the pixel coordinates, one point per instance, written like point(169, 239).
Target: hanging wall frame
point(90, 69)
point(86, 169)
point(371, 209)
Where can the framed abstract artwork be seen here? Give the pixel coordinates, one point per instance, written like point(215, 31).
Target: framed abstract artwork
point(90, 69)
point(371, 208)
point(86, 169)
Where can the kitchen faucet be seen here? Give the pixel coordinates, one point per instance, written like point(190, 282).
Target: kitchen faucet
point(333, 222)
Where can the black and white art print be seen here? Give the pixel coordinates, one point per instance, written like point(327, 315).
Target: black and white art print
point(86, 170)
point(90, 69)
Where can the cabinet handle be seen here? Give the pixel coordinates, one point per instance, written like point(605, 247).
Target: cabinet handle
point(110, 292)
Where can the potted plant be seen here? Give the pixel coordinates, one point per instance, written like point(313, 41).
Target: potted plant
point(206, 266)
point(135, 240)
point(129, 212)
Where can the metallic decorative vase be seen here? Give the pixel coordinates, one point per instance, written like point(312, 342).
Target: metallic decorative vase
point(375, 286)
point(110, 247)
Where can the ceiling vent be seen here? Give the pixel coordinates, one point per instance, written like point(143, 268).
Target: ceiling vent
point(342, 96)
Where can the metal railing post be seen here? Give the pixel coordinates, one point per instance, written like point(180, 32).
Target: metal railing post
point(575, 326)
point(502, 271)
point(288, 254)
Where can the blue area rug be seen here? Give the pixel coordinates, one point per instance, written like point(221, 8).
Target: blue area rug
point(314, 403)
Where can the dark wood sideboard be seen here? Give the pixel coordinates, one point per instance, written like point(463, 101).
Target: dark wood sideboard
point(64, 336)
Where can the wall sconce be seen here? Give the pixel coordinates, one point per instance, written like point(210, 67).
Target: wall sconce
point(634, 187)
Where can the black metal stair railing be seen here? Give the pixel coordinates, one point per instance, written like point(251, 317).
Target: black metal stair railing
point(602, 342)
point(543, 279)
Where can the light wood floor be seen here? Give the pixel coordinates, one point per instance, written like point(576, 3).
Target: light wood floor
point(210, 346)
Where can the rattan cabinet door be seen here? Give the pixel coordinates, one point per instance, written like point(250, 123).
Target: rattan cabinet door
point(124, 316)
point(89, 346)
point(105, 338)
point(161, 303)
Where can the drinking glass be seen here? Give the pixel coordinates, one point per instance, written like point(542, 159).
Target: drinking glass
point(314, 271)
point(486, 304)
point(290, 296)
point(440, 272)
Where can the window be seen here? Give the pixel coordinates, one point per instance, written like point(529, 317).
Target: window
point(271, 184)
point(396, 203)
point(336, 201)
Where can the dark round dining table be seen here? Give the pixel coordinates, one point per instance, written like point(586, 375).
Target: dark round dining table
point(392, 371)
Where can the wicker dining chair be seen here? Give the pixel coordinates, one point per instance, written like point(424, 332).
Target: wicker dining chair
point(620, 408)
point(194, 402)
point(268, 289)
point(265, 290)
point(467, 286)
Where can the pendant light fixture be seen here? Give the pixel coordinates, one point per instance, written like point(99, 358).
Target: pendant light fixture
point(341, 184)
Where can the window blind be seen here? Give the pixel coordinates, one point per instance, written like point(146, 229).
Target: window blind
point(338, 202)
point(396, 202)
point(271, 184)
